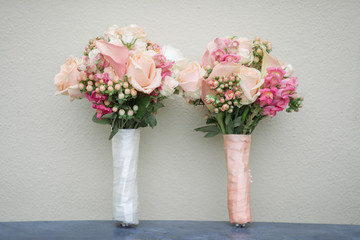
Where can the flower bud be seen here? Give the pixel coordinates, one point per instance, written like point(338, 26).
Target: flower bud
point(225, 106)
point(116, 79)
point(121, 95)
point(110, 83)
point(135, 107)
point(89, 88)
point(81, 86)
point(126, 85)
point(127, 91)
point(117, 87)
point(91, 77)
point(133, 92)
point(130, 112)
point(102, 88)
point(107, 103)
point(114, 109)
point(121, 112)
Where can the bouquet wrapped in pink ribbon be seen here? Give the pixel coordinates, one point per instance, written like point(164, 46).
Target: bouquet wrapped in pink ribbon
point(125, 77)
point(240, 83)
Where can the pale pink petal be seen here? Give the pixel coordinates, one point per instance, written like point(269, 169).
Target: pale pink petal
point(115, 55)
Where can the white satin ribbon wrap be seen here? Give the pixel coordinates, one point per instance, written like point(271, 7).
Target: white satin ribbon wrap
point(125, 149)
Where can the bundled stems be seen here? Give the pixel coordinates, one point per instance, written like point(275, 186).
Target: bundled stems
point(252, 121)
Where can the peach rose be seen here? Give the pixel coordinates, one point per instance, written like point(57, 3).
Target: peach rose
point(221, 69)
point(190, 80)
point(67, 80)
point(142, 72)
point(250, 84)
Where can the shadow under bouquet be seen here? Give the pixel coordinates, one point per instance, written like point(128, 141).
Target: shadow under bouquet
point(126, 77)
point(240, 83)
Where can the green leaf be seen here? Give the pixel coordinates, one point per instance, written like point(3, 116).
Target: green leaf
point(150, 119)
point(237, 122)
point(113, 132)
point(101, 121)
point(243, 117)
point(211, 134)
point(239, 129)
point(230, 127)
point(227, 118)
point(157, 106)
point(142, 102)
point(211, 128)
point(109, 116)
point(211, 120)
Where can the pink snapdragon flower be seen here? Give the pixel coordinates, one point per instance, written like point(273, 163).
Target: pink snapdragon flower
point(98, 76)
point(95, 97)
point(271, 81)
point(267, 96)
point(292, 81)
point(281, 102)
point(271, 110)
point(106, 77)
point(217, 54)
point(160, 62)
point(278, 73)
point(165, 73)
point(221, 43)
point(275, 95)
point(230, 58)
point(101, 109)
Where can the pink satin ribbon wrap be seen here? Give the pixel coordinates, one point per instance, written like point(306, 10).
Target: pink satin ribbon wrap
point(237, 150)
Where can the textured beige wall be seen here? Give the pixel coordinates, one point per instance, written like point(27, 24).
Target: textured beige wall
point(56, 164)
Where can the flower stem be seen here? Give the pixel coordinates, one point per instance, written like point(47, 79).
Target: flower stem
point(250, 120)
point(219, 118)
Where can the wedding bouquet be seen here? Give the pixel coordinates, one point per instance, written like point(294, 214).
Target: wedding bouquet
point(126, 77)
point(240, 83)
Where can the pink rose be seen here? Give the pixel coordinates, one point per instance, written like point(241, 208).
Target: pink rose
point(67, 80)
point(142, 72)
point(250, 84)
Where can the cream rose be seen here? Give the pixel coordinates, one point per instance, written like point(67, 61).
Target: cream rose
point(67, 80)
point(142, 72)
point(250, 84)
point(168, 86)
